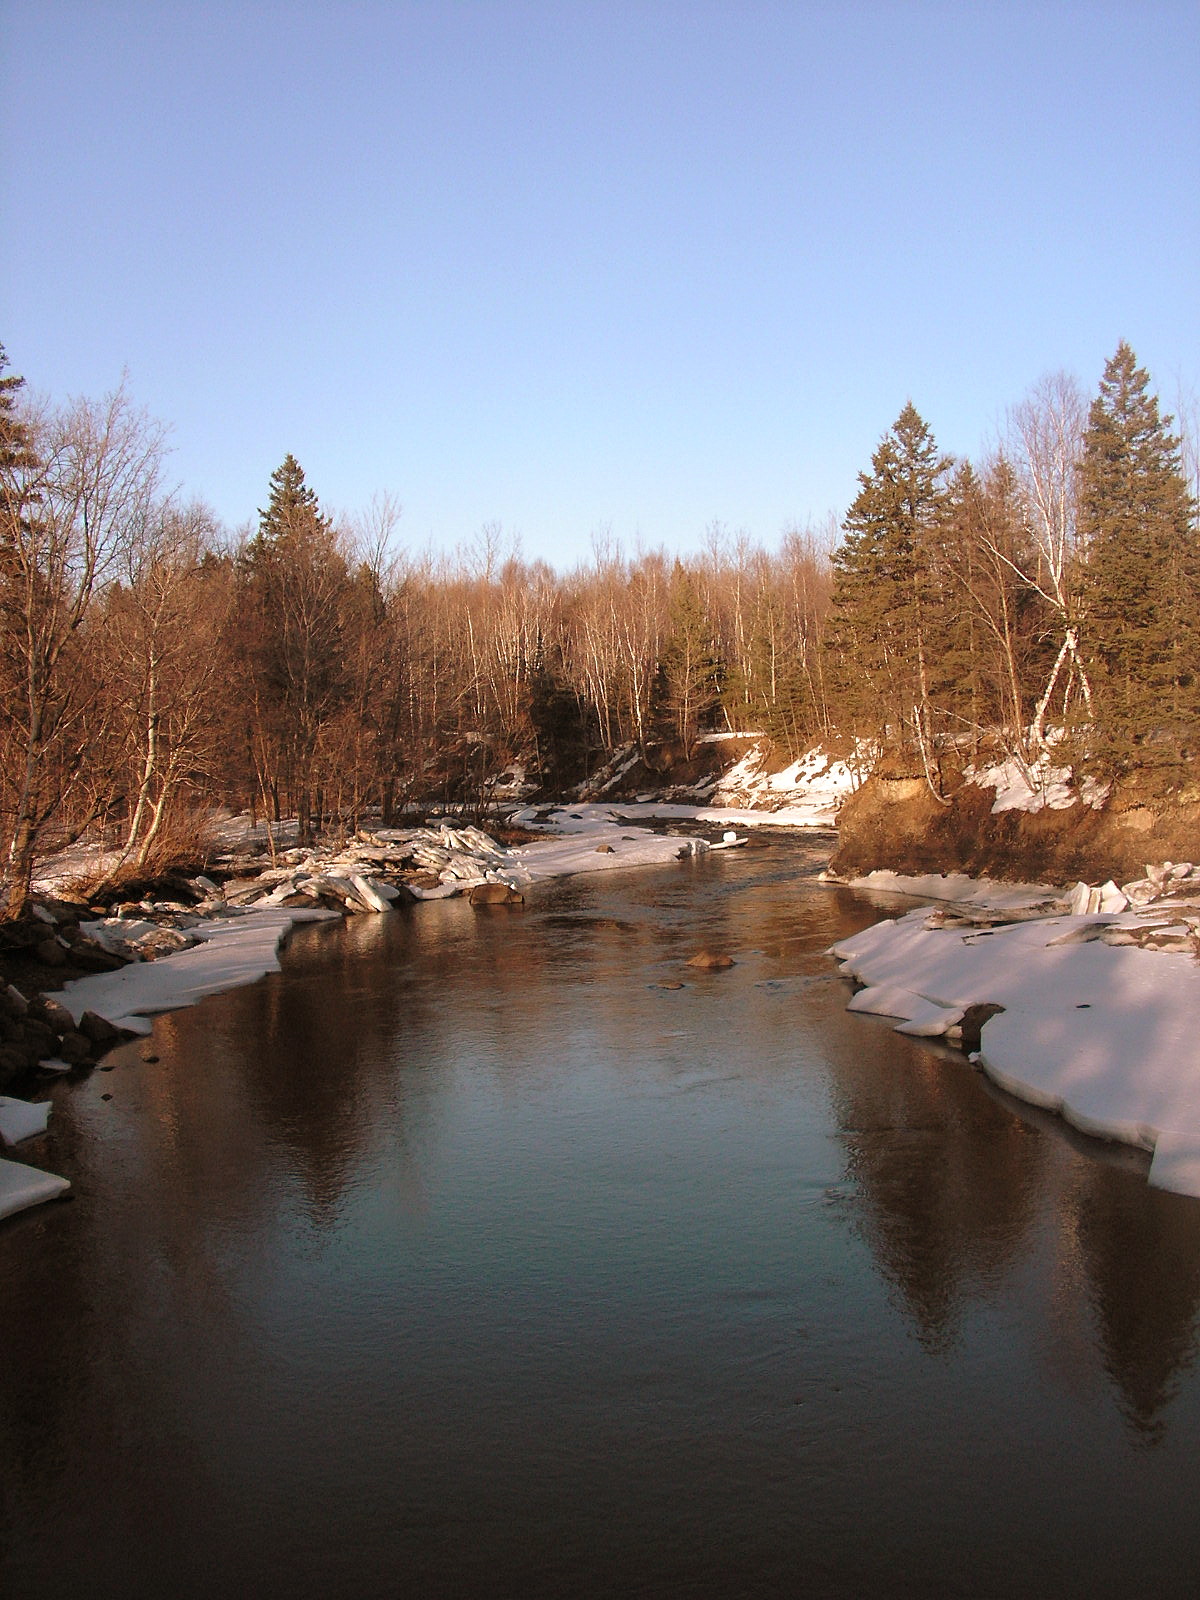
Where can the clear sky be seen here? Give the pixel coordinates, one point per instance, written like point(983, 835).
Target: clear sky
point(619, 265)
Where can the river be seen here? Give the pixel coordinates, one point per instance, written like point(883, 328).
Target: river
point(465, 1258)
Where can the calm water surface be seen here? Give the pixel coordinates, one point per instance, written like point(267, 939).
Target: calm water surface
point(460, 1259)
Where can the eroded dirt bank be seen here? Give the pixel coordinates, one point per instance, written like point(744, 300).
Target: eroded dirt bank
point(894, 821)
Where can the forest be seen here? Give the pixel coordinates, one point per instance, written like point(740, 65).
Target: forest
point(154, 663)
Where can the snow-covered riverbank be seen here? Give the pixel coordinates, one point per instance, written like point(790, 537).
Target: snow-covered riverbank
point(1097, 1010)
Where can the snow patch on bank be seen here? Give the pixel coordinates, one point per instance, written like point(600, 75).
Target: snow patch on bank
point(232, 951)
point(1037, 786)
point(1103, 1034)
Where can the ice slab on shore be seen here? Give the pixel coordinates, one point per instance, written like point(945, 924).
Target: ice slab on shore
point(233, 951)
point(22, 1119)
point(1105, 1035)
point(956, 886)
point(22, 1186)
point(596, 843)
point(587, 814)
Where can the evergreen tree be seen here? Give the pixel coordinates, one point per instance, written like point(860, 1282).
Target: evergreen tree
point(16, 448)
point(689, 675)
point(297, 590)
point(887, 610)
point(1143, 569)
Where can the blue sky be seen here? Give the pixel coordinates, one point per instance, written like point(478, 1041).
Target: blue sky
point(572, 267)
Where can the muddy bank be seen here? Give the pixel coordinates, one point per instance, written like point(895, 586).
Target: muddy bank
point(894, 821)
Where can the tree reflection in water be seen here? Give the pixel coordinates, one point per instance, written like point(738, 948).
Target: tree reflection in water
point(463, 1255)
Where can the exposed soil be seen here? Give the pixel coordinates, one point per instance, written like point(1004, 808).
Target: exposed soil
point(895, 822)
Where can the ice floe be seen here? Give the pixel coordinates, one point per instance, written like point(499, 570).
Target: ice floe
point(22, 1186)
point(22, 1119)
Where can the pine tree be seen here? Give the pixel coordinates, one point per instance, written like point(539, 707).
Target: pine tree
point(887, 609)
point(1138, 522)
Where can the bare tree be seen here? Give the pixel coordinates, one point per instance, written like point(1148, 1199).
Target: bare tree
point(1045, 432)
point(70, 511)
point(166, 619)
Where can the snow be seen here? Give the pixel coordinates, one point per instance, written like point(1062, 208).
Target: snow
point(1104, 1034)
point(233, 950)
point(591, 841)
point(22, 1186)
point(954, 886)
point(20, 1119)
point(1036, 786)
point(805, 794)
point(815, 812)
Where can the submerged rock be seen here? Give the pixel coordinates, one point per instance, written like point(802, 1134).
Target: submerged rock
point(495, 894)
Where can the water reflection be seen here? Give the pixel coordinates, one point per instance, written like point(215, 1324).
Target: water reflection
point(464, 1257)
point(1141, 1253)
point(949, 1181)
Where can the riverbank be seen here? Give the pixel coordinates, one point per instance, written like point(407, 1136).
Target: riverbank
point(1083, 1004)
point(1014, 822)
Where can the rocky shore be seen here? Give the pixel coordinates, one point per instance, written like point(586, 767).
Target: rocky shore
point(66, 936)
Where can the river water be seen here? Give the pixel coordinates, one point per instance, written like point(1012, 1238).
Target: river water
point(462, 1258)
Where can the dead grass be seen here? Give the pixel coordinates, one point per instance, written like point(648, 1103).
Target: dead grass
point(184, 845)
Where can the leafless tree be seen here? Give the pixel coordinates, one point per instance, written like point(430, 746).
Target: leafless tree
point(69, 516)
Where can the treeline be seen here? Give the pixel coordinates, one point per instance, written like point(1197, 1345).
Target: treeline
point(152, 663)
point(1048, 597)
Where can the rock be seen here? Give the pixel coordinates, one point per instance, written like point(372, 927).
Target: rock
point(973, 1019)
point(708, 961)
point(14, 1002)
point(50, 953)
point(87, 953)
point(35, 1040)
point(75, 1049)
point(162, 942)
point(13, 1064)
point(52, 1014)
point(669, 984)
point(495, 894)
point(99, 1029)
point(605, 850)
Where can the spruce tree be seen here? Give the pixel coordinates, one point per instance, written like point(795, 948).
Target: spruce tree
point(17, 455)
point(689, 676)
point(1138, 522)
point(297, 587)
point(887, 604)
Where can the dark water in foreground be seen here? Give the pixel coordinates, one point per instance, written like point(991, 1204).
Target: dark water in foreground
point(458, 1260)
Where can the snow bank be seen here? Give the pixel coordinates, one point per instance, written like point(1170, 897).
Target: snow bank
point(233, 950)
point(1104, 1034)
point(954, 886)
point(584, 816)
point(805, 794)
